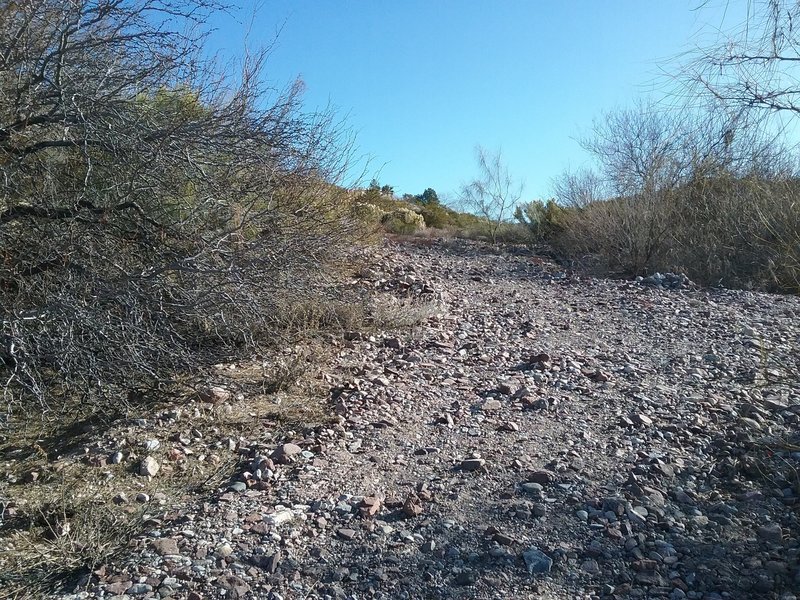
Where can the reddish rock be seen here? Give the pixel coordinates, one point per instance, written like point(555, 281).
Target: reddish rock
point(412, 507)
point(370, 506)
point(236, 586)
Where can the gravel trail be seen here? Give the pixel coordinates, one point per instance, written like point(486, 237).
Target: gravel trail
point(539, 435)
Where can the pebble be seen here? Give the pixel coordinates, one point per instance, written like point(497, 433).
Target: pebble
point(166, 546)
point(472, 464)
point(590, 566)
point(287, 450)
point(537, 561)
point(491, 405)
point(646, 509)
point(771, 533)
point(279, 517)
point(149, 467)
point(532, 488)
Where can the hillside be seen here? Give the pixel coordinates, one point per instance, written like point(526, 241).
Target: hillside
point(536, 434)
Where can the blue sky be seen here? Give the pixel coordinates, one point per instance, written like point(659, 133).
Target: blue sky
point(423, 81)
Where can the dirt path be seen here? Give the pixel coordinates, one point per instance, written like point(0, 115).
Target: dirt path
point(538, 436)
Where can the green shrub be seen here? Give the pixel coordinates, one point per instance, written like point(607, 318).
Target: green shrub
point(368, 213)
point(438, 216)
point(403, 221)
point(544, 220)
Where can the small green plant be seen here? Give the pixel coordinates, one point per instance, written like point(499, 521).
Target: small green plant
point(544, 220)
point(368, 213)
point(403, 221)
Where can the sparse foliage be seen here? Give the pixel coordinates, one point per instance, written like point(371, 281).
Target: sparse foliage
point(544, 220)
point(755, 63)
point(708, 192)
point(494, 193)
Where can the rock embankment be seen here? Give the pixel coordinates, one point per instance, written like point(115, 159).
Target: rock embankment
point(539, 435)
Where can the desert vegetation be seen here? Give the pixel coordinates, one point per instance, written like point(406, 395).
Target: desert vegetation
point(709, 194)
point(705, 182)
point(154, 214)
point(182, 254)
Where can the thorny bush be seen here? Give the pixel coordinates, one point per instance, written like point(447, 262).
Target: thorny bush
point(151, 210)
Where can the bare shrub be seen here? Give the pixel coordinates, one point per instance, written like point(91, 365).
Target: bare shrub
point(710, 192)
point(494, 193)
point(151, 211)
point(62, 539)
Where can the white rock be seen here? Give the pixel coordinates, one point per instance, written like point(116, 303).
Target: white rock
point(149, 467)
point(280, 517)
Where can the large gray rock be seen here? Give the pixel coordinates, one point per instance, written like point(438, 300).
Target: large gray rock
point(537, 561)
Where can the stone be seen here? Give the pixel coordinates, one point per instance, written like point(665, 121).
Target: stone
point(504, 389)
point(521, 393)
point(532, 488)
point(287, 450)
point(508, 426)
point(370, 506)
point(346, 533)
point(541, 477)
point(412, 507)
point(393, 343)
point(238, 486)
point(149, 467)
point(138, 589)
point(537, 561)
point(599, 376)
point(214, 394)
point(118, 587)
point(165, 546)
point(236, 586)
point(590, 566)
point(279, 517)
point(472, 464)
point(503, 539)
point(271, 562)
point(491, 405)
point(771, 533)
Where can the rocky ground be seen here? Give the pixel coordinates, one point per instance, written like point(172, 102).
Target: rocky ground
point(539, 435)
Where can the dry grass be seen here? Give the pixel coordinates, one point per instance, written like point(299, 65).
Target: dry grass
point(389, 312)
point(59, 533)
point(61, 517)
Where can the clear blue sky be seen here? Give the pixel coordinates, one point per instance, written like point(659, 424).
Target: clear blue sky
point(424, 81)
